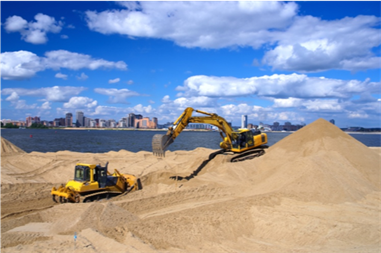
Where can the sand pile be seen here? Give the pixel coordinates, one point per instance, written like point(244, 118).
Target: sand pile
point(319, 163)
point(317, 190)
point(8, 148)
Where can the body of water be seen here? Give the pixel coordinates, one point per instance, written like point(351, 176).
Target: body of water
point(101, 141)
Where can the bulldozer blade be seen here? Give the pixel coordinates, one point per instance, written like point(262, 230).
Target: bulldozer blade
point(159, 143)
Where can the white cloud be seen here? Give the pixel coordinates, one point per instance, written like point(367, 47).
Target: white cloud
point(312, 44)
point(309, 104)
point(82, 77)
point(80, 103)
point(13, 97)
point(166, 99)
point(130, 82)
point(212, 27)
point(46, 106)
point(15, 24)
point(63, 36)
point(53, 94)
point(276, 86)
point(62, 76)
point(151, 101)
point(23, 64)
point(117, 95)
point(195, 102)
point(33, 32)
point(357, 115)
point(142, 109)
point(294, 43)
point(65, 59)
point(19, 65)
point(116, 80)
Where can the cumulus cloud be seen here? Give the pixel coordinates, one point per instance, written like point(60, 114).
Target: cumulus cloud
point(64, 59)
point(80, 103)
point(46, 106)
point(13, 97)
point(166, 99)
point(202, 101)
point(24, 64)
point(53, 94)
point(292, 42)
point(275, 86)
point(142, 109)
point(35, 31)
point(116, 80)
point(82, 77)
point(312, 45)
point(212, 27)
point(62, 76)
point(117, 95)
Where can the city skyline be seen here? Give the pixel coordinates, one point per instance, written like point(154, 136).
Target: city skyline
point(279, 61)
point(129, 121)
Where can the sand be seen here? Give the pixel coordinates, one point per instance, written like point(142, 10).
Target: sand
point(317, 190)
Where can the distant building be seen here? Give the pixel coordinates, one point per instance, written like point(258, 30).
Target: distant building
point(69, 119)
point(30, 120)
point(57, 122)
point(244, 121)
point(79, 119)
point(145, 123)
point(332, 121)
point(131, 120)
point(154, 119)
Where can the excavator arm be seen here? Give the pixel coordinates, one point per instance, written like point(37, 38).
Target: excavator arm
point(161, 142)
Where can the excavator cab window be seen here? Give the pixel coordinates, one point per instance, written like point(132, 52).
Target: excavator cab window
point(82, 173)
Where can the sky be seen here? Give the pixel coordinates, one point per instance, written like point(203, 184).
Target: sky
point(272, 61)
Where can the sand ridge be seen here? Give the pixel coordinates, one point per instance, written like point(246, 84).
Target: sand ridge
point(317, 190)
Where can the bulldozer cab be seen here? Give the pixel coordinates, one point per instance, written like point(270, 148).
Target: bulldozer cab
point(82, 173)
point(101, 176)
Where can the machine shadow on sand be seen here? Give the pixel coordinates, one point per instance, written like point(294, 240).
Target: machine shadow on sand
point(202, 165)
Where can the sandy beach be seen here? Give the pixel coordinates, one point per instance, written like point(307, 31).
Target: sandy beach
point(316, 190)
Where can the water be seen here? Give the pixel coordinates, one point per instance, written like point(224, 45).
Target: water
point(101, 141)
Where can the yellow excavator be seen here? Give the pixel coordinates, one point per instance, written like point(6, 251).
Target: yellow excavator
point(93, 182)
point(244, 143)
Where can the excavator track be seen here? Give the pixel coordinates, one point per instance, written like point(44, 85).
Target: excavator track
point(249, 154)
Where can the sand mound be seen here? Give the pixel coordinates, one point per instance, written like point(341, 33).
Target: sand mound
point(317, 190)
point(9, 148)
point(319, 162)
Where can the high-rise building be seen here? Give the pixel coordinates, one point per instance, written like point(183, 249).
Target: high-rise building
point(131, 120)
point(69, 119)
point(244, 121)
point(79, 119)
point(154, 119)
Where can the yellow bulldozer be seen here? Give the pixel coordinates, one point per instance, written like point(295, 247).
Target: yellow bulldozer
point(93, 182)
point(243, 144)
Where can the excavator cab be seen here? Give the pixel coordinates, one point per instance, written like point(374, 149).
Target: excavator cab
point(242, 140)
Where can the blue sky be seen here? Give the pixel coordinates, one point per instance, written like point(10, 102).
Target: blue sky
point(273, 61)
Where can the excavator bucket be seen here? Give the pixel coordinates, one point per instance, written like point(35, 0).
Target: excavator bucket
point(159, 143)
